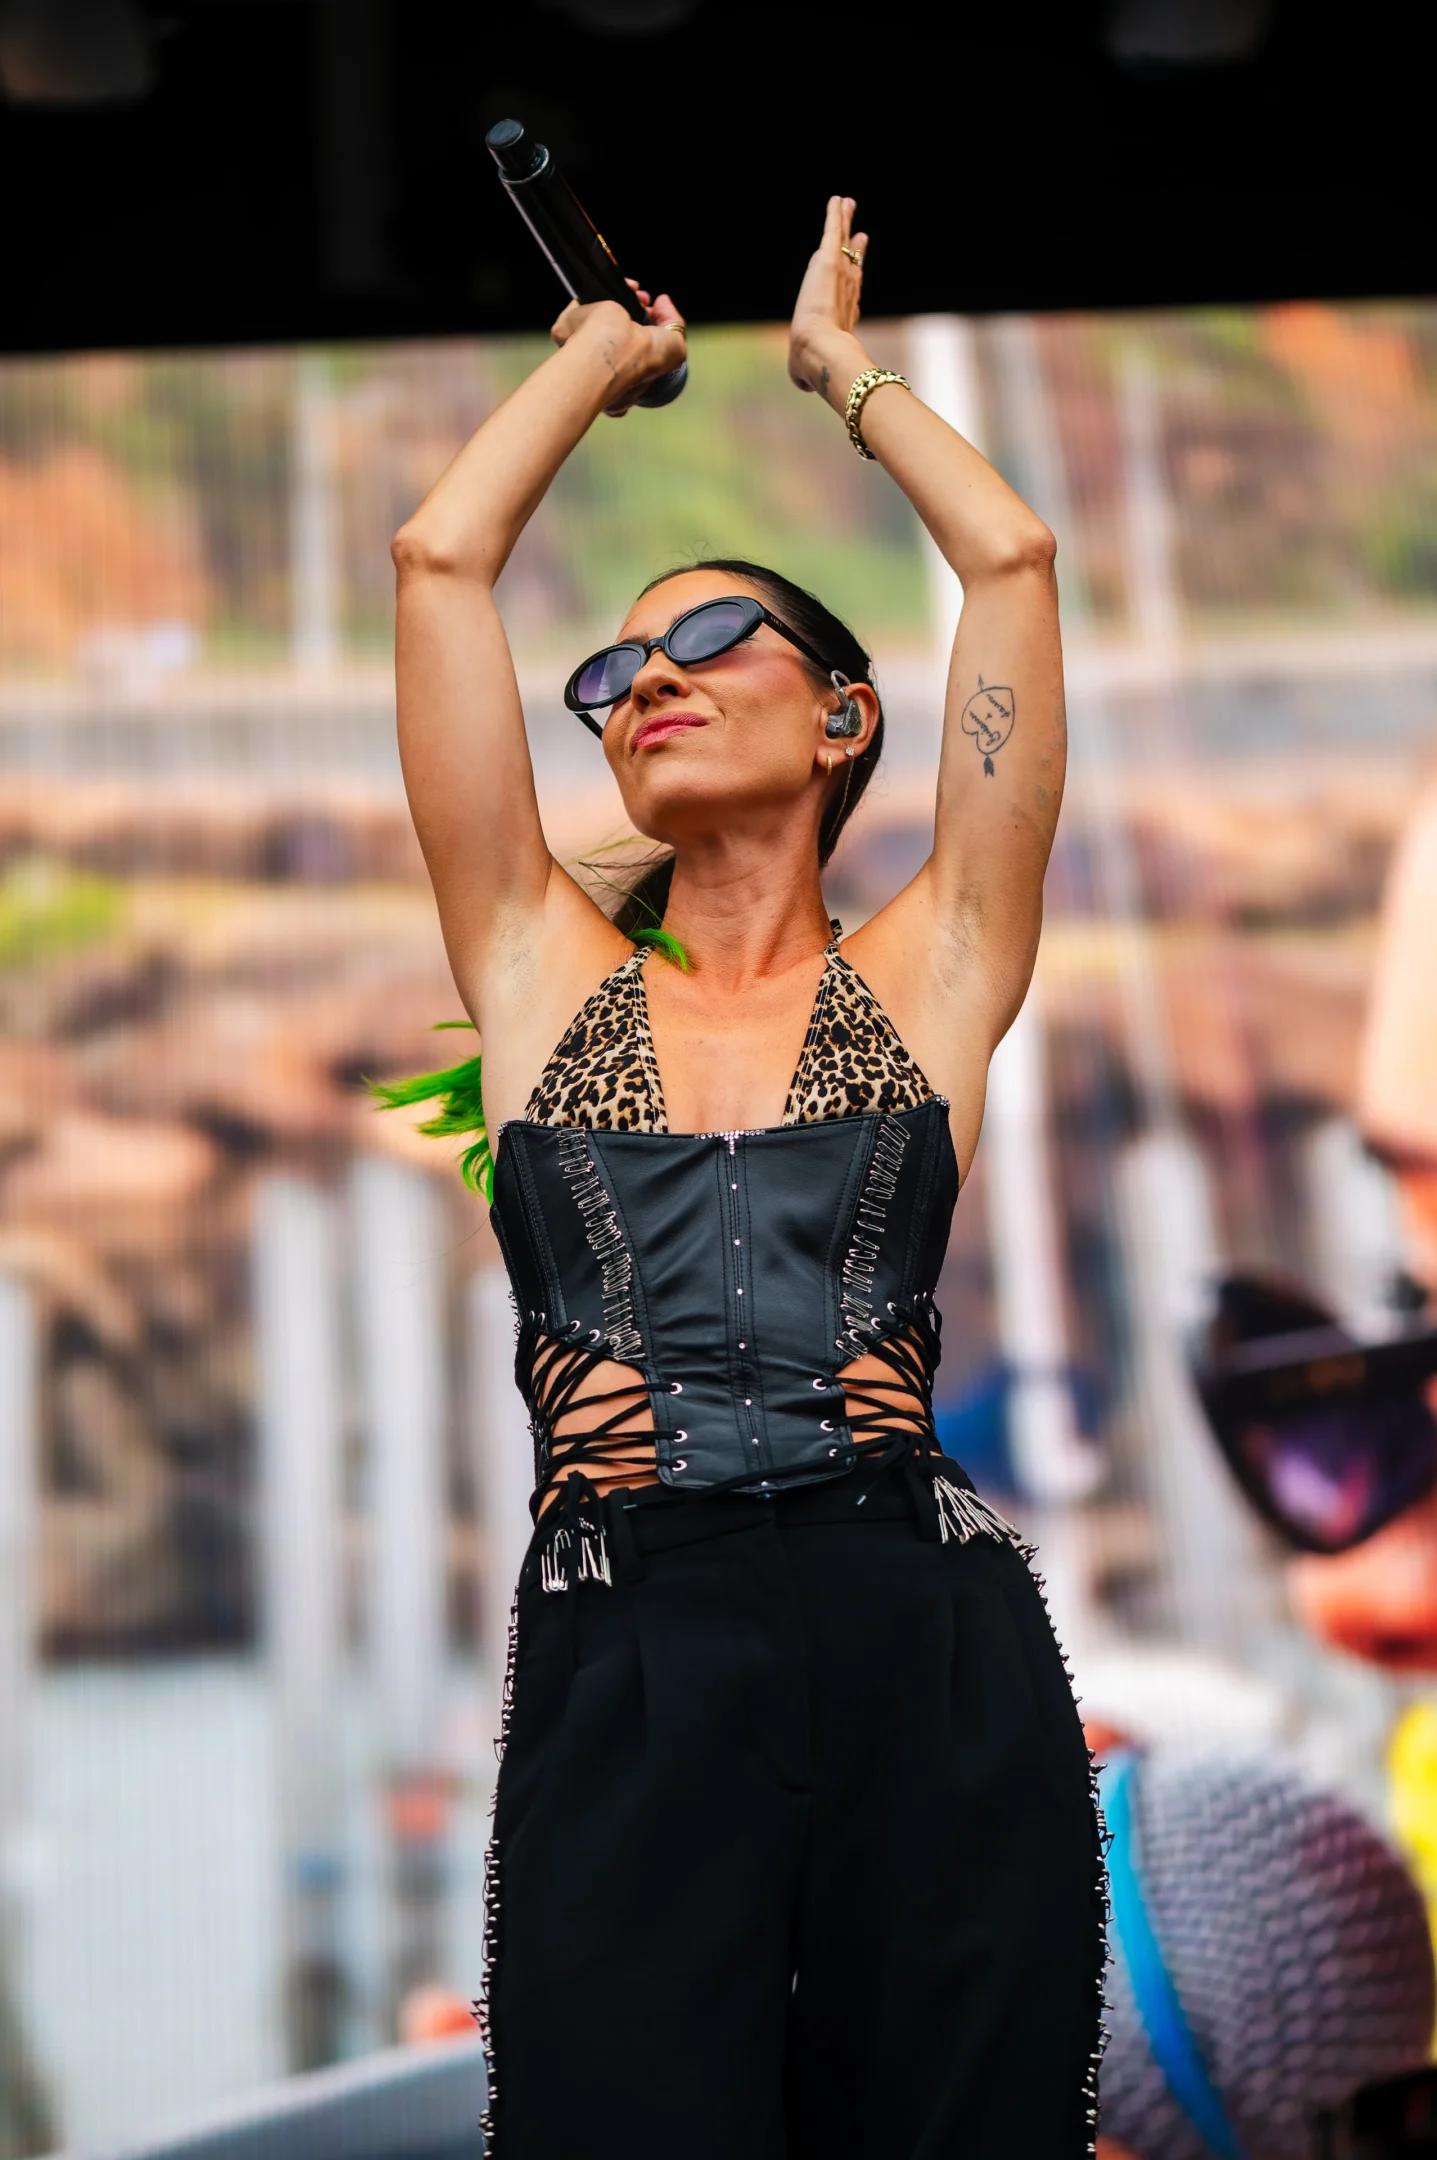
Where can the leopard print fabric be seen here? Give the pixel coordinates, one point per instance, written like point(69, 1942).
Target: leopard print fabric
point(604, 1074)
point(852, 1060)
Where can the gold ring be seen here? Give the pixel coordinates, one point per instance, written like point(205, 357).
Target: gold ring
point(856, 260)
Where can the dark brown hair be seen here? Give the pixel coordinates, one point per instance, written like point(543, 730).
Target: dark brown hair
point(643, 905)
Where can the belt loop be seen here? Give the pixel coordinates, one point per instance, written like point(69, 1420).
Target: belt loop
point(620, 1510)
point(921, 1493)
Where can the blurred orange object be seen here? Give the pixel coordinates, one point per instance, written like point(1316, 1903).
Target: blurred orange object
point(1378, 1601)
point(417, 1808)
point(434, 2013)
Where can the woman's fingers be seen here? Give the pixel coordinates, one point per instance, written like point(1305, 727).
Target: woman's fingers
point(565, 323)
point(828, 296)
point(663, 315)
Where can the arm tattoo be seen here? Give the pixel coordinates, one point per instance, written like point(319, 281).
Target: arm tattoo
point(988, 718)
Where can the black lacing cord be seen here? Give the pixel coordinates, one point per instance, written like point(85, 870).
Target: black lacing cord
point(890, 1409)
point(557, 1375)
point(890, 1421)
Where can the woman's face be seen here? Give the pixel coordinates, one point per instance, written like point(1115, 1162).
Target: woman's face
point(694, 747)
point(1379, 1601)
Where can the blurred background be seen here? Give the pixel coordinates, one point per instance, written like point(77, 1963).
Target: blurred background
point(262, 1467)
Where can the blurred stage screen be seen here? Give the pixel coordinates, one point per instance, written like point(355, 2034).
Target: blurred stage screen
point(262, 1469)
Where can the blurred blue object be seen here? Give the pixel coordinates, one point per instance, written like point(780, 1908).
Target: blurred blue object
point(972, 1426)
point(973, 1429)
point(409, 2103)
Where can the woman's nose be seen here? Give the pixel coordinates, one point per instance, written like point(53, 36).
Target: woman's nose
point(659, 677)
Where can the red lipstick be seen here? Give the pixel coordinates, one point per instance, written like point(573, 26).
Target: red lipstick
point(660, 726)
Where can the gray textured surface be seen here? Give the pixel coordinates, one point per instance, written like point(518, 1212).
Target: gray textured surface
point(1297, 1944)
point(416, 2103)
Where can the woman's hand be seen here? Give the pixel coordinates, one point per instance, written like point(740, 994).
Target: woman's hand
point(821, 342)
point(636, 354)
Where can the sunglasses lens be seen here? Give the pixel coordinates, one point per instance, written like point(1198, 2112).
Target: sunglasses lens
point(608, 676)
point(1335, 1474)
point(709, 630)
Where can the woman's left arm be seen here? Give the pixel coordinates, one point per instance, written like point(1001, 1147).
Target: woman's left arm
point(970, 919)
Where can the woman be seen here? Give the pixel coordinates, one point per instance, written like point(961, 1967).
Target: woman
point(794, 1851)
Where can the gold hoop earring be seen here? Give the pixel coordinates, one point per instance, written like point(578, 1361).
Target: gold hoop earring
point(828, 764)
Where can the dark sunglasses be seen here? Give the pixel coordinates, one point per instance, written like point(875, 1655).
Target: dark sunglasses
point(1329, 1438)
point(701, 633)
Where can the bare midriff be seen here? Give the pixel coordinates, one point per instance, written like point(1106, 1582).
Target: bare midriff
point(868, 1384)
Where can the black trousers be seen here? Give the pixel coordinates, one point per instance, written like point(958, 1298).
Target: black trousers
point(795, 1855)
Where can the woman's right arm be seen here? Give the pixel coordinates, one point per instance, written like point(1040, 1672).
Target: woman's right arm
point(502, 899)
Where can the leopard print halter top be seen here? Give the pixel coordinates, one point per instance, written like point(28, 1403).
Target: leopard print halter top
point(604, 1074)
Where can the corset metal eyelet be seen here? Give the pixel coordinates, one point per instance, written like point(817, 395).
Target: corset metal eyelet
point(677, 1388)
point(680, 1465)
point(825, 1424)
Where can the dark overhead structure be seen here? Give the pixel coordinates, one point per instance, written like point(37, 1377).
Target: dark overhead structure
point(233, 171)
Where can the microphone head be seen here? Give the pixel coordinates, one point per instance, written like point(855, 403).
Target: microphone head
point(1298, 1946)
point(513, 149)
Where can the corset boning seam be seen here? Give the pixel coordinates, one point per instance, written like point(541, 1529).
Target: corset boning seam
point(612, 1250)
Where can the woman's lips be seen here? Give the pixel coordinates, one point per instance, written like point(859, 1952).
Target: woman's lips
point(661, 727)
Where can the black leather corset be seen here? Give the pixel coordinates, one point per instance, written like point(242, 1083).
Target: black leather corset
point(739, 1273)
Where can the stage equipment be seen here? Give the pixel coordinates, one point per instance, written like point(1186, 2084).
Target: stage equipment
point(1170, 34)
point(1270, 1958)
point(73, 54)
point(582, 259)
point(1330, 1438)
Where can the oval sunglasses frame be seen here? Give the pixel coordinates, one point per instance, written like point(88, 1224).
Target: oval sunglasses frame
point(752, 614)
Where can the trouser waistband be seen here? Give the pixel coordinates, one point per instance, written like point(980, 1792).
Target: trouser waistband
point(659, 1519)
point(584, 1537)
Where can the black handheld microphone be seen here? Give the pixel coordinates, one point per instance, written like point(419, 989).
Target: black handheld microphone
point(581, 257)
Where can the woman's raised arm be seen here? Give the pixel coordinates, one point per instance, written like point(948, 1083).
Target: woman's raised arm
point(965, 932)
point(461, 728)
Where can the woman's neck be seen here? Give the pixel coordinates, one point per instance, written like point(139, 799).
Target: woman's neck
point(742, 915)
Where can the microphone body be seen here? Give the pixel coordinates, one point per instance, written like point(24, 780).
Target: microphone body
point(1297, 1948)
point(578, 253)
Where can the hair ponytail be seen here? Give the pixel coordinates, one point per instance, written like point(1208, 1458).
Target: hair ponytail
point(645, 901)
